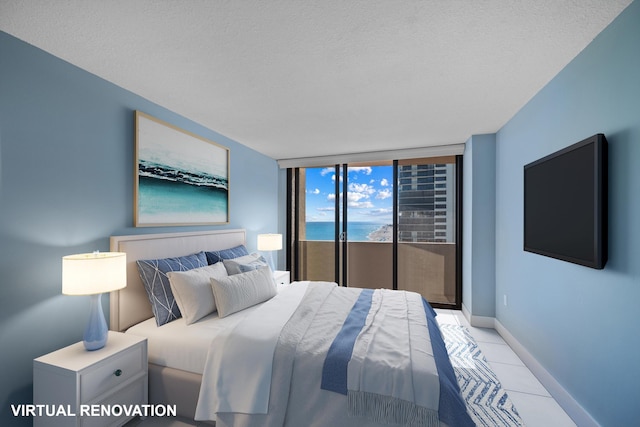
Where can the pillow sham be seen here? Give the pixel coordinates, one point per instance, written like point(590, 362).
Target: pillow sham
point(192, 290)
point(217, 256)
point(243, 290)
point(244, 263)
point(153, 273)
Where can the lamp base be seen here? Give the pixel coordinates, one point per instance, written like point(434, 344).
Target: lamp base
point(270, 261)
point(96, 333)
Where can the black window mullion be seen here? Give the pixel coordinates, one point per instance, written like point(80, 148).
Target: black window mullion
point(336, 238)
point(345, 236)
point(293, 222)
point(290, 237)
point(458, 220)
point(395, 226)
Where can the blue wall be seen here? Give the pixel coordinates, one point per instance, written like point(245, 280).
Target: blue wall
point(479, 221)
point(64, 132)
point(66, 185)
point(581, 324)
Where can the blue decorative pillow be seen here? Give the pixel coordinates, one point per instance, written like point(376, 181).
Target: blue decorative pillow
point(217, 256)
point(153, 273)
point(244, 263)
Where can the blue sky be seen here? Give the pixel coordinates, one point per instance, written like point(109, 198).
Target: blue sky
point(370, 194)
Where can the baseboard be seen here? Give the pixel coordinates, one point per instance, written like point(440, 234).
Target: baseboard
point(564, 399)
point(478, 321)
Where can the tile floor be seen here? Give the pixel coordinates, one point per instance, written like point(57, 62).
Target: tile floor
point(535, 405)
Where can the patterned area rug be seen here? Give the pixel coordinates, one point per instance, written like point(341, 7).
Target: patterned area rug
point(487, 402)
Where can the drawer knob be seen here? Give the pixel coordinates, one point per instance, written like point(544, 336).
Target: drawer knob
point(118, 372)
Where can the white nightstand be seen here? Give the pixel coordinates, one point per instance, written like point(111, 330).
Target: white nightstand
point(72, 377)
point(282, 277)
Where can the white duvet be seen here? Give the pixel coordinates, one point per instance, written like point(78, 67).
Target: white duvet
point(240, 359)
point(267, 371)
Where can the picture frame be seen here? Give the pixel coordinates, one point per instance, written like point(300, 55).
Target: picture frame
point(180, 178)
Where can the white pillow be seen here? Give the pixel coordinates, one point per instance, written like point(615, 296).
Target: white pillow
point(239, 291)
point(192, 290)
point(244, 263)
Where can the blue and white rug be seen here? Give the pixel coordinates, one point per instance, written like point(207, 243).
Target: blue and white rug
point(487, 402)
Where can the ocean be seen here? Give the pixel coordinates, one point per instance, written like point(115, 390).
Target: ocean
point(356, 231)
point(162, 201)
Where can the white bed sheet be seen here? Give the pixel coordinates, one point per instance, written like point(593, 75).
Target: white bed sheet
point(185, 347)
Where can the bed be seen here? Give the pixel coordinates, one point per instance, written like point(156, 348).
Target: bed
point(181, 355)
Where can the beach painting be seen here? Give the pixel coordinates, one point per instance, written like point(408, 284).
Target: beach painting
point(180, 178)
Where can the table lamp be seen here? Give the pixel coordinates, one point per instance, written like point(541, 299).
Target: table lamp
point(93, 274)
point(270, 243)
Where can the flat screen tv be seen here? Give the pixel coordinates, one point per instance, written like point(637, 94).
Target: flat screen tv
point(565, 204)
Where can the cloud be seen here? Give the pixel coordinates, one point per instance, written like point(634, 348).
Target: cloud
point(326, 171)
point(384, 194)
point(316, 191)
point(354, 200)
point(320, 216)
point(364, 169)
point(361, 188)
point(358, 196)
point(384, 182)
point(360, 205)
point(381, 212)
point(353, 196)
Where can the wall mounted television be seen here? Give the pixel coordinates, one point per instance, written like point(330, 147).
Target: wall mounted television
point(565, 204)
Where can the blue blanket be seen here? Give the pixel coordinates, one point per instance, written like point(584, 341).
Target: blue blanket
point(451, 409)
point(334, 372)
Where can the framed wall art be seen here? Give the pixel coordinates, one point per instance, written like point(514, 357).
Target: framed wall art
point(180, 178)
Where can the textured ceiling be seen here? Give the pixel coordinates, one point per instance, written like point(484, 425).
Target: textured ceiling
point(292, 78)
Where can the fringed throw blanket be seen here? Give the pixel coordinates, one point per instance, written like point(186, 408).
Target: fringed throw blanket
point(381, 351)
point(390, 361)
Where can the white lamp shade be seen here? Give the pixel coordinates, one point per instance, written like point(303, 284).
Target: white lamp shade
point(94, 273)
point(269, 242)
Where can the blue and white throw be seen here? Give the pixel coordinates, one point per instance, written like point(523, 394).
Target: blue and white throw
point(345, 353)
point(390, 361)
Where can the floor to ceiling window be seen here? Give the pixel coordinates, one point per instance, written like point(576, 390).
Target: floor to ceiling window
point(378, 225)
point(427, 228)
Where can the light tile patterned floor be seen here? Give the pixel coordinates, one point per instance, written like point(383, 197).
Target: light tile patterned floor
point(534, 404)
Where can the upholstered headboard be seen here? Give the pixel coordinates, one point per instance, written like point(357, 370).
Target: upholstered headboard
point(131, 305)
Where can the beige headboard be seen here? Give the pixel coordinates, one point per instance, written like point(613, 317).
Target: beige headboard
point(131, 305)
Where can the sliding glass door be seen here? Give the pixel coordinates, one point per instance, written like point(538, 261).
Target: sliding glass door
point(379, 225)
point(368, 213)
point(427, 224)
point(316, 231)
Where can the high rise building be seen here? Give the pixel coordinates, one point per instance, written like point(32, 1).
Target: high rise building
point(426, 203)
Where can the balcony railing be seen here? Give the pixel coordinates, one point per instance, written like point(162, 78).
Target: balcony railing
point(426, 268)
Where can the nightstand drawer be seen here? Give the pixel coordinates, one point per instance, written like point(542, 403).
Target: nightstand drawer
point(73, 377)
point(113, 371)
point(132, 396)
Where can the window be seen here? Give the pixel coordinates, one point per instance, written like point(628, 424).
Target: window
point(389, 225)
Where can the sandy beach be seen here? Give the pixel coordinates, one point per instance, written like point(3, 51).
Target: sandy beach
point(382, 234)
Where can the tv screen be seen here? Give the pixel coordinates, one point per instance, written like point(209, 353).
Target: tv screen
point(565, 204)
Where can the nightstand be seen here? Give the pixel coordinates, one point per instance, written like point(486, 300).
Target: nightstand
point(77, 382)
point(282, 277)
